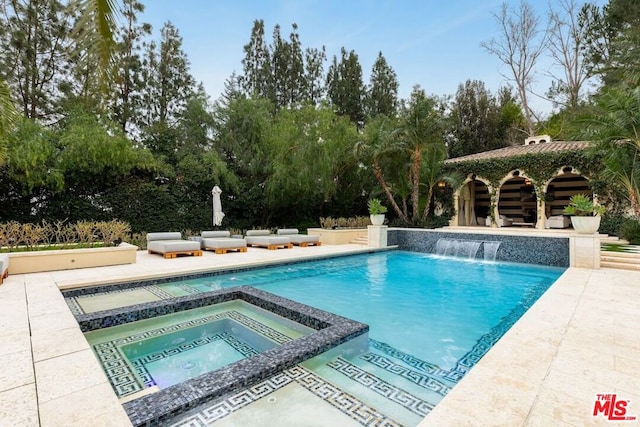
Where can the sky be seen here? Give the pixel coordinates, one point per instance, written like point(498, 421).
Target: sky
point(432, 43)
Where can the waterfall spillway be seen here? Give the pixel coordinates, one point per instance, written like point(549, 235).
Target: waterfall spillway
point(467, 248)
point(490, 250)
point(458, 248)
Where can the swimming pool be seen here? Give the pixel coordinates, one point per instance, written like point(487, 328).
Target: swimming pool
point(431, 318)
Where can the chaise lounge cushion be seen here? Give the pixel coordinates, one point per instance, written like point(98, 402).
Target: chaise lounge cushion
point(265, 239)
point(299, 239)
point(220, 241)
point(171, 242)
point(504, 221)
point(558, 221)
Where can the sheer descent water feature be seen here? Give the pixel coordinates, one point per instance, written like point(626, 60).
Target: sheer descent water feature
point(550, 250)
point(467, 248)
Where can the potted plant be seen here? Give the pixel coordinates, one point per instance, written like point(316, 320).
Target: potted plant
point(585, 215)
point(376, 211)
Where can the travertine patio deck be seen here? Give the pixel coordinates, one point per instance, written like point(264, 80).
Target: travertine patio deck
point(580, 339)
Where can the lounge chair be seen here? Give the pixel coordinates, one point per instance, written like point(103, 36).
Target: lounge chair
point(170, 245)
point(302, 240)
point(221, 242)
point(264, 239)
point(558, 221)
point(4, 267)
point(503, 221)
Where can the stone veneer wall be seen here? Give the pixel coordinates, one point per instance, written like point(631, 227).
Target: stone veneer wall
point(551, 251)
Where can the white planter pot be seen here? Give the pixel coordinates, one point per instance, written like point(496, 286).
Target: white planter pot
point(585, 224)
point(377, 219)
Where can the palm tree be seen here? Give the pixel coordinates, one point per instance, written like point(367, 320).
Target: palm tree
point(380, 146)
point(8, 118)
point(615, 128)
point(407, 156)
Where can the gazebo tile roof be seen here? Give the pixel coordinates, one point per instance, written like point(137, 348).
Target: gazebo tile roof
point(521, 150)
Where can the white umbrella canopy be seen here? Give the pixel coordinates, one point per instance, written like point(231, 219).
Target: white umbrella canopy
point(217, 206)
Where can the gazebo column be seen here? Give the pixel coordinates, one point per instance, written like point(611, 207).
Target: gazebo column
point(541, 221)
point(454, 222)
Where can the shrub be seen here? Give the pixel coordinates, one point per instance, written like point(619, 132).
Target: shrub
point(329, 223)
point(15, 236)
point(630, 231)
point(611, 224)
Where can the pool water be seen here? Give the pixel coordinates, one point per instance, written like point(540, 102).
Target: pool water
point(431, 319)
point(167, 350)
point(433, 308)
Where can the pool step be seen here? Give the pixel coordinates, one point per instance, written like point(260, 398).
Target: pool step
point(362, 240)
point(621, 260)
point(606, 239)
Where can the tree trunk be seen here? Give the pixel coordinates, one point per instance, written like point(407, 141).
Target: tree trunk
point(378, 173)
point(415, 191)
point(427, 206)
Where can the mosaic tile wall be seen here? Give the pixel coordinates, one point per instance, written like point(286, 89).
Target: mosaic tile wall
point(551, 251)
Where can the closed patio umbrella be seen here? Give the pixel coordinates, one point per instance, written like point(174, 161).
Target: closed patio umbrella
point(217, 206)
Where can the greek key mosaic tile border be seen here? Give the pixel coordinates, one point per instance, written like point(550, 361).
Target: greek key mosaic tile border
point(76, 309)
point(423, 380)
point(382, 387)
point(74, 306)
point(344, 402)
point(123, 378)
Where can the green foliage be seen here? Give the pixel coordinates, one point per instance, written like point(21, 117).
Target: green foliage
point(88, 147)
point(345, 88)
point(382, 95)
point(376, 207)
point(310, 153)
point(630, 231)
point(478, 121)
point(31, 159)
point(611, 224)
point(581, 205)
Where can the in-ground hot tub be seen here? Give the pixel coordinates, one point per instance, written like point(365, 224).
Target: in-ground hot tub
point(249, 349)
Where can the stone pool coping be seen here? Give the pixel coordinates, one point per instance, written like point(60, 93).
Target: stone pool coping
point(51, 377)
point(331, 330)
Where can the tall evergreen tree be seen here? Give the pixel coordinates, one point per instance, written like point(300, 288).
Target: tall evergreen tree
point(287, 66)
point(345, 88)
point(477, 121)
point(129, 81)
point(169, 83)
point(314, 79)
point(382, 94)
point(279, 54)
point(256, 64)
point(34, 39)
point(613, 37)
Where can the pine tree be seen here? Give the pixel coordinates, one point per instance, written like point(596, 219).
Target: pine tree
point(129, 81)
point(33, 41)
point(477, 122)
point(169, 85)
point(345, 87)
point(382, 94)
point(256, 65)
point(314, 79)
